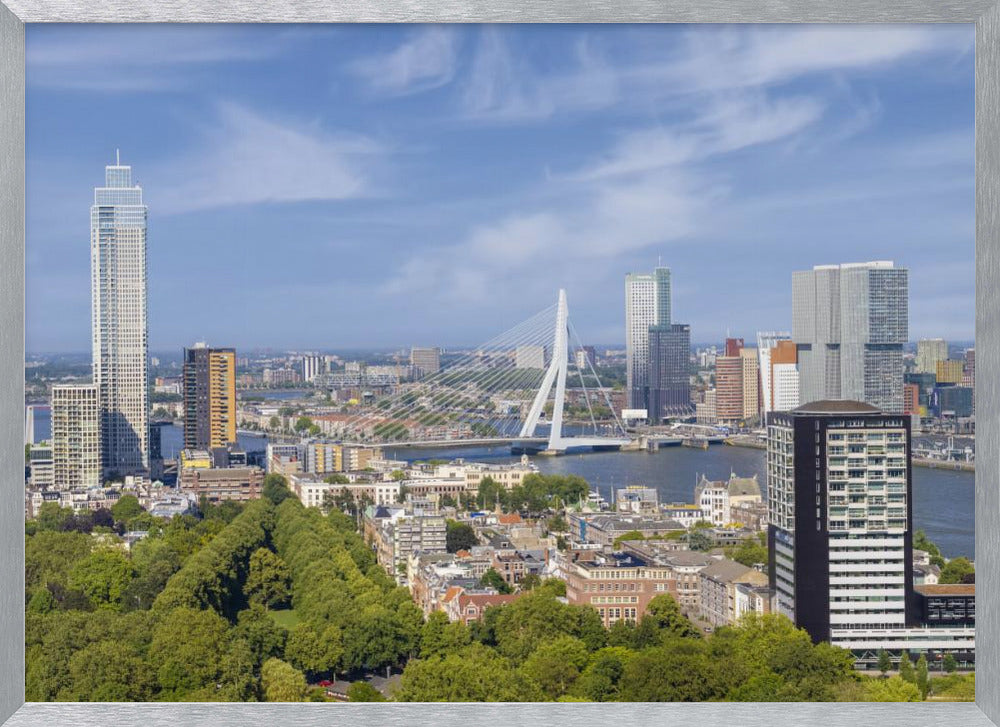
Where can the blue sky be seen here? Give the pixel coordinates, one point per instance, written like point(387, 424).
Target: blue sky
point(355, 186)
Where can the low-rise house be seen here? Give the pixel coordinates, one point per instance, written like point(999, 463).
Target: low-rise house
point(718, 590)
point(717, 498)
point(467, 605)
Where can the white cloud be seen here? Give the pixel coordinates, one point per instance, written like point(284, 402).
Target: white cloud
point(503, 85)
point(424, 62)
point(136, 58)
point(248, 159)
point(506, 85)
point(723, 126)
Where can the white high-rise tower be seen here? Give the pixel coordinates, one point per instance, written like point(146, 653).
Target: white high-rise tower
point(118, 320)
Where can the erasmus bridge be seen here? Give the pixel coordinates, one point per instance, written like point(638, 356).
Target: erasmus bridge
point(511, 389)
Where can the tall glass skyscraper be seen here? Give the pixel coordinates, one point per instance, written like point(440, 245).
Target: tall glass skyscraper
point(118, 320)
point(647, 303)
point(849, 324)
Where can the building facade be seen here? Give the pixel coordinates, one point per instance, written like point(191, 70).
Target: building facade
point(669, 372)
point(840, 509)
point(647, 303)
point(929, 352)
point(425, 361)
point(529, 357)
point(76, 436)
point(839, 506)
point(118, 320)
point(849, 324)
point(619, 586)
point(209, 397)
point(729, 398)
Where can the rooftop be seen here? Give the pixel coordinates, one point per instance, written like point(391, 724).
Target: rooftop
point(947, 589)
point(836, 406)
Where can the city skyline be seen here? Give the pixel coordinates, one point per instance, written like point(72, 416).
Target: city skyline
point(727, 156)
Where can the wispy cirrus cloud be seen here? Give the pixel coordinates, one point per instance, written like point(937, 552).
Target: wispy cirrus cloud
point(724, 126)
point(248, 158)
point(426, 60)
point(130, 58)
point(503, 85)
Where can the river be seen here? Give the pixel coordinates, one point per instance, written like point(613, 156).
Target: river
point(943, 500)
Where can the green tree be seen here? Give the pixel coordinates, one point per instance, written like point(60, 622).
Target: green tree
point(750, 552)
point(263, 637)
point(474, 674)
point(906, 671)
point(536, 617)
point(104, 576)
point(678, 671)
point(530, 581)
point(920, 542)
point(282, 682)
point(765, 687)
point(337, 479)
point(187, 648)
point(126, 509)
point(42, 601)
point(955, 570)
point(267, 580)
point(921, 676)
point(884, 661)
point(107, 671)
point(49, 556)
point(53, 518)
point(274, 423)
point(893, 689)
point(276, 489)
point(439, 636)
point(492, 579)
point(397, 475)
point(460, 536)
point(302, 424)
point(363, 692)
point(556, 665)
point(949, 663)
point(155, 560)
point(380, 636)
point(700, 540)
point(601, 679)
point(314, 651)
point(663, 620)
point(490, 494)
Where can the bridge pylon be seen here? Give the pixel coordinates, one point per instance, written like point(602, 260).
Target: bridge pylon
point(555, 374)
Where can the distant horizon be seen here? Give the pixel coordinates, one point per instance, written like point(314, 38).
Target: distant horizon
point(750, 343)
point(376, 184)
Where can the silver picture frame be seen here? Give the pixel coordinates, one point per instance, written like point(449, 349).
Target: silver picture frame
point(14, 14)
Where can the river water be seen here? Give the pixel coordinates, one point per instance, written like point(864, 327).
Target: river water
point(943, 500)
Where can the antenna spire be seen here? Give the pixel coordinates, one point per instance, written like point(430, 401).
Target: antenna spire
point(118, 157)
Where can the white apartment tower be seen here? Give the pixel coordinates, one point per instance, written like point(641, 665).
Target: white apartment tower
point(76, 436)
point(118, 320)
point(647, 303)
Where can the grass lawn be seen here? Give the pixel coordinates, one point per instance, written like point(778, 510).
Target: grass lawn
point(286, 617)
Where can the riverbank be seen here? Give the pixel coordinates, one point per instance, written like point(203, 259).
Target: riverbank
point(754, 443)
